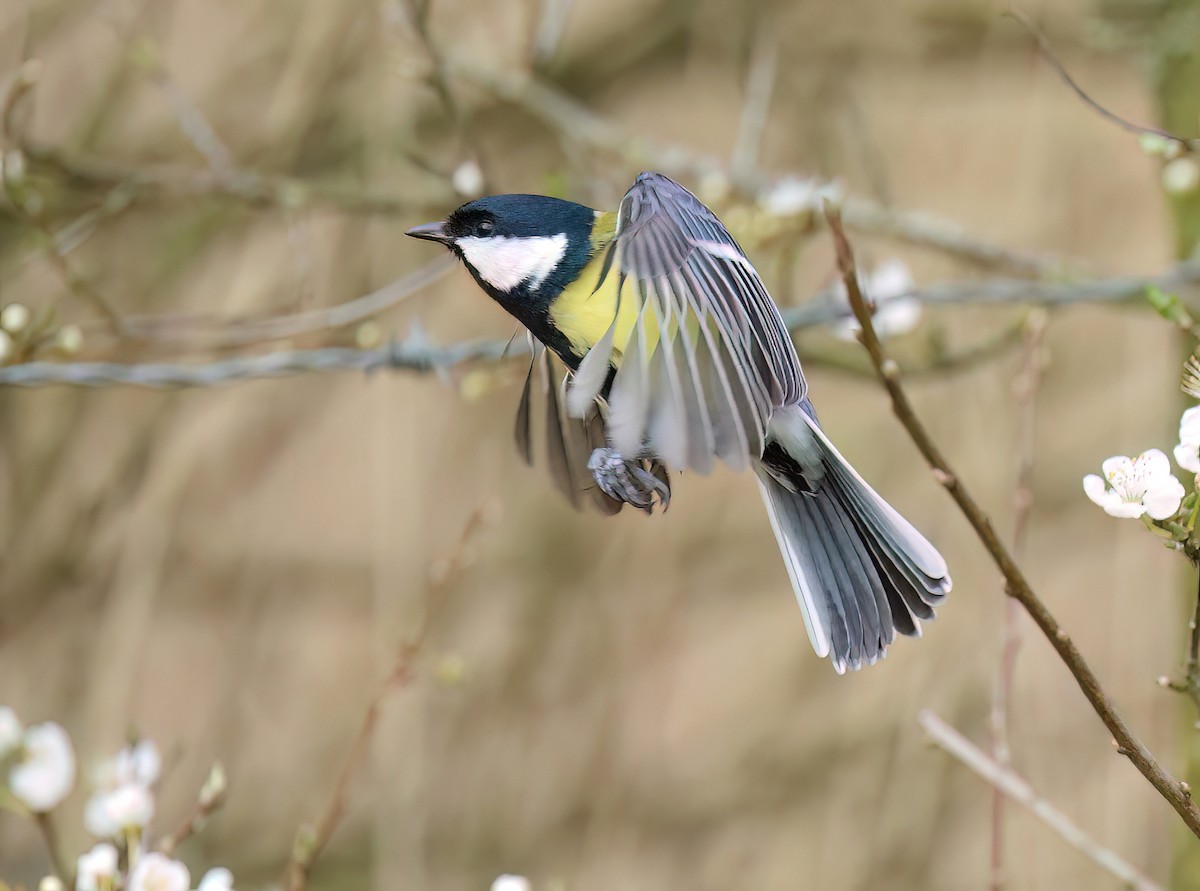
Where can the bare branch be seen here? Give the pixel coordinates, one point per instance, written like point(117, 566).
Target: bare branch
point(140, 180)
point(213, 333)
point(27, 210)
point(1047, 53)
point(1025, 388)
point(1011, 784)
point(567, 116)
point(1176, 793)
point(760, 84)
point(414, 354)
point(417, 353)
point(311, 841)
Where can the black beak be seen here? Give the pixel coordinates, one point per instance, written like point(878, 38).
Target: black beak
point(430, 232)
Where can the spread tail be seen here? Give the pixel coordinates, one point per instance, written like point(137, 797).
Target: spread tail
point(860, 571)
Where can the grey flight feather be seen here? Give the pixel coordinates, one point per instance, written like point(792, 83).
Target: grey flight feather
point(568, 441)
point(861, 572)
point(709, 357)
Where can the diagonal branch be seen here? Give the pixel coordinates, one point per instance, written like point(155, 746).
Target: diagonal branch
point(1176, 793)
point(1012, 785)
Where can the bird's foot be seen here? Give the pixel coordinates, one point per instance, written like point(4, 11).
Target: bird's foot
point(636, 481)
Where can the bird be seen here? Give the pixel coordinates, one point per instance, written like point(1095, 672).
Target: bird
point(676, 359)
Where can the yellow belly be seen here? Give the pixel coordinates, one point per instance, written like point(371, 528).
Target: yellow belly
point(583, 312)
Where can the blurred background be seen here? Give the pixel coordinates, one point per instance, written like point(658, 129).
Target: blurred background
point(597, 703)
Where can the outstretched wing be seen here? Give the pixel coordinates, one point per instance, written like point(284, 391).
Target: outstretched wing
point(568, 441)
point(707, 358)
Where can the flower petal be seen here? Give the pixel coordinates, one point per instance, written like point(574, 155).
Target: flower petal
point(1152, 464)
point(1117, 465)
point(1095, 489)
point(1189, 425)
point(1126, 510)
point(1187, 456)
point(1163, 500)
point(45, 777)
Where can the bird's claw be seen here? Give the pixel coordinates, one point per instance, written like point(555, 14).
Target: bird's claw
point(637, 481)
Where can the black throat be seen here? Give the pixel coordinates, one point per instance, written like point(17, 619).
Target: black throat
point(531, 306)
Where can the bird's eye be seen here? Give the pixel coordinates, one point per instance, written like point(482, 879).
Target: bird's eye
point(484, 228)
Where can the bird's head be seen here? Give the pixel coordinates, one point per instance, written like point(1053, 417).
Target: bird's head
point(518, 244)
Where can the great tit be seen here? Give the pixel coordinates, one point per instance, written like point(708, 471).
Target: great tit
point(677, 358)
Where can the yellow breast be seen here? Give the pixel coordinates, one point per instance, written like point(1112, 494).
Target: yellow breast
point(583, 312)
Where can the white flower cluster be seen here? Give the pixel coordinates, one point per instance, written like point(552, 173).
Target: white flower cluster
point(40, 762)
point(889, 285)
point(42, 770)
point(1145, 486)
point(123, 801)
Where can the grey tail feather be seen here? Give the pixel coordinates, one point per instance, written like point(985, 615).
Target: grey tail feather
point(860, 571)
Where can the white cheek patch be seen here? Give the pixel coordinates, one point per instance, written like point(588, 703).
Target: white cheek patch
point(505, 262)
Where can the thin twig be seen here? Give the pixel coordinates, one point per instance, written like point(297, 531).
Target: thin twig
point(1193, 658)
point(196, 127)
point(416, 353)
point(1025, 389)
point(1047, 53)
point(1011, 784)
point(1176, 793)
point(760, 84)
point(576, 122)
point(49, 836)
point(28, 211)
point(311, 840)
point(1190, 685)
point(199, 332)
point(210, 799)
point(551, 24)
point(140, 180)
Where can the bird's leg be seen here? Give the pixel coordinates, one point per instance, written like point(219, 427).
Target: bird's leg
point(636, 481)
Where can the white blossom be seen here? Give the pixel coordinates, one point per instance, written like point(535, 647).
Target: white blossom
point(1133, 487)
point(69, 339)
point(792, 196)
point(123, 799)
point(97, 869)
point(1187, 452)
point(157, 872)
point(467, 179)
point(508, 882)
point(1180, 176)
point(14, 318)
point(888, 285)
point(139, 764)
point(218, 879)
point(112, 813)
point(46, 773)
point(10, 730)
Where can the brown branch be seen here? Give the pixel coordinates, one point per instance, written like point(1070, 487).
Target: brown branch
point(210, 799)
point(1025, 389)
point(27, 210)
point(1010, 784)
point(311, 840)
point(1176, 793)
point(1193, 658)
point(1190, 684)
